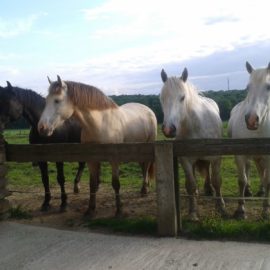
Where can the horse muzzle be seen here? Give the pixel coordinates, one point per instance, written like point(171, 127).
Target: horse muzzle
point(169, 131)
point(44, 130)
point(252, 121)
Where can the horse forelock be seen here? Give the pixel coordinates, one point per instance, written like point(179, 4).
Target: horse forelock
point(259, 76)
point(86, 96)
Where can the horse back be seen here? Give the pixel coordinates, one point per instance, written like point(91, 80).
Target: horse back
point(139, 123)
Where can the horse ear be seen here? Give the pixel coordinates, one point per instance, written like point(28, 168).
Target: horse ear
point(164, 76)
point(249, 67)
point(49, 80)
point(59, 80)
point(9, 86)
point(184, 75)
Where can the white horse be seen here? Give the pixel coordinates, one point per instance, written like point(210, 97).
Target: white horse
point(251, 119)
point(188, 115)
point(102, 121)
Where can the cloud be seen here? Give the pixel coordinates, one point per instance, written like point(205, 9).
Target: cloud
point(12, 28)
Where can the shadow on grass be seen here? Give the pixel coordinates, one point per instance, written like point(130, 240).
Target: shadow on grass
point(141, 226)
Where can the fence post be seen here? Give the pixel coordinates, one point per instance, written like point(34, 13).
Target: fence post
point(165, 183)
point(4, 203)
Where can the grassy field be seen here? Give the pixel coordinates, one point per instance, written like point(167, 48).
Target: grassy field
point(210, 226)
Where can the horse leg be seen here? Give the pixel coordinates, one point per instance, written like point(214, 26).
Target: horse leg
point(145, 186)
point(78, 176)
point(61, 182)
point(116, 187)
point(217, 181)
point(203, 166)
point(248, 192)
point(266, 184)
point(43, 166)
point(260, 169)
point(94, 174)
point(191, 189)
point(241, 163)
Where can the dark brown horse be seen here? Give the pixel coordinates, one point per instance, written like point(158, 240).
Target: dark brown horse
point(16, 102)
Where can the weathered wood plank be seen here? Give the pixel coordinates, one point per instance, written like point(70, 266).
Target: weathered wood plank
point(80, 152)
point(166, 203)
point(212, 147)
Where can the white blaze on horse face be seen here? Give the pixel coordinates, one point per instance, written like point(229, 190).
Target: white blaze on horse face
point(258, 98)
point(58, 109)
point(172, 99)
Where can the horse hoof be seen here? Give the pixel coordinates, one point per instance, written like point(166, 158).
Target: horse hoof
point(240, 215)
point(45, 208)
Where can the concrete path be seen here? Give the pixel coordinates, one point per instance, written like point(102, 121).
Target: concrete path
point(30, 247)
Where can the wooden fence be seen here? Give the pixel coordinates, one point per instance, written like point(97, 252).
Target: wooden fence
point(164, 153)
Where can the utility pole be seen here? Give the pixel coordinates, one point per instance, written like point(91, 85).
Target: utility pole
point(228, 83)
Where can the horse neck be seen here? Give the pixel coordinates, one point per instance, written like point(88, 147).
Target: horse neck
point(97, 124)
point(33, 105)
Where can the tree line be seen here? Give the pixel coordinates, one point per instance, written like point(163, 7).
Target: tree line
point(226, 100)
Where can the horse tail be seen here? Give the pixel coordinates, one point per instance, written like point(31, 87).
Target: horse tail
point(151, 170)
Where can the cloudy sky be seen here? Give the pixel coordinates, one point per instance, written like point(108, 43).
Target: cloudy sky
point(121, 46)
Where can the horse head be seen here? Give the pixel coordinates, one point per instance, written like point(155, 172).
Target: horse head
point(11, 108)
point(57, 109)
point(258, 96)
point(172, 97)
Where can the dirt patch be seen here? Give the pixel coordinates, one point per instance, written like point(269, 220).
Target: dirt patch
point(134, 205)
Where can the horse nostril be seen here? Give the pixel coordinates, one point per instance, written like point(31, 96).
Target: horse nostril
point(173, 128)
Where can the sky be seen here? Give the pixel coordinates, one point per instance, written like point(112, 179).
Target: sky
point(120, 46)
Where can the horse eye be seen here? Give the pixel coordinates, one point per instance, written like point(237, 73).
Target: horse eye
point(57, 101)
point(182, 98)
point(268, 87)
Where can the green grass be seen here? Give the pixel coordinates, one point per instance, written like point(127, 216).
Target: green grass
point(215, 228)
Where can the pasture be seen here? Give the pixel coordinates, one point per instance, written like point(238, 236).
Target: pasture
point(25, 181)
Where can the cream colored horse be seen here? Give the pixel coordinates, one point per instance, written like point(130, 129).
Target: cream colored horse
point(188, 115)
point(251, 119)
point(102, 121)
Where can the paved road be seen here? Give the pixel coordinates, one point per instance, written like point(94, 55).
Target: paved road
point(30, 247)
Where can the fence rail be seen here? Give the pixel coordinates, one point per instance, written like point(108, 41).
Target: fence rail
point(164, 153)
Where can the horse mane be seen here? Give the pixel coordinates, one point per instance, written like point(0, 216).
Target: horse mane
point(85, 96)
point(28, 97)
